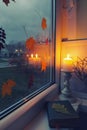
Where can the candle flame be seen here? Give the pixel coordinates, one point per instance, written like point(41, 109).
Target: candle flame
point(36, 55)
point(32, 55)
point(68, 57)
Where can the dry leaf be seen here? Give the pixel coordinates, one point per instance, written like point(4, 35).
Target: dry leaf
point(43, 24)
point(30, 42)
point(7, 87)
point(47, 41)
point(43, 66)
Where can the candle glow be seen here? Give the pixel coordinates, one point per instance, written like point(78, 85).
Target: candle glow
point(67, 64)
point(34, 59)
point(32, 55)
point(36, 55)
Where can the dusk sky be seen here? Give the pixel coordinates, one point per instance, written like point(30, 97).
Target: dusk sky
point(22, 13)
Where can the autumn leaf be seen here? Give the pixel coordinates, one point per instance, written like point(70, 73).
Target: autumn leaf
point(7, 87)
point(43, 24)
point(11, 83)
point(43, 66)
point(47, 41)
point(30, 43)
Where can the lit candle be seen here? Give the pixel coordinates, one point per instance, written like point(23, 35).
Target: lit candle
point(34, 60)
point(67, 64)
point(36, 55)
point(32, 55)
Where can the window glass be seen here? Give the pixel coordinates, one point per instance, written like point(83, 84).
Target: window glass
point(26, 50)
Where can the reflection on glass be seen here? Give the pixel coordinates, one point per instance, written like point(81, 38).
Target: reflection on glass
point(25, 49)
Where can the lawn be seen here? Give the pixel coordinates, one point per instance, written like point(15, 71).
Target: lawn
point(27, 81)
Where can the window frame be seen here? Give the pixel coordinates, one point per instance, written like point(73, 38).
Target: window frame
point(29, 97)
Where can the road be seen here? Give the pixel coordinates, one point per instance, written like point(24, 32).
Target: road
point(5, 64)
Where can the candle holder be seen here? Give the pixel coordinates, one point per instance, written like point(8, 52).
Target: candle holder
point(66, 92)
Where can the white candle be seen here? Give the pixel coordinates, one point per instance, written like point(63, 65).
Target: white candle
point(34, 60)
point(67, 64)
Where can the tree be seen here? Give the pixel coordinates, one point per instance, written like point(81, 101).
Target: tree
point(2, 38)
point(7, 1)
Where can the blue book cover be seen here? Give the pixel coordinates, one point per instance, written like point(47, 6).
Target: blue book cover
point(62, 114)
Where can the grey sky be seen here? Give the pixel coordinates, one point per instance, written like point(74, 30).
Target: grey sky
point(26, 13)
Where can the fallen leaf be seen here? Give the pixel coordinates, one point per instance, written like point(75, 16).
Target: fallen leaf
point(47, 41)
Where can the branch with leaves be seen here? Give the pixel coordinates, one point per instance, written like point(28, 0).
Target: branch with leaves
point(80, 68)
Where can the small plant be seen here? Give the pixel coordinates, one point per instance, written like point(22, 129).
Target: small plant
point(80, 68)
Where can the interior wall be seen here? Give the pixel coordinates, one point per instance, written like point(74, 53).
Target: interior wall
point(82, 19)
point(69, 19)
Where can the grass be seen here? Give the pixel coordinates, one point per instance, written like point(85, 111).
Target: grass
point(2, 60)
point(21, 75)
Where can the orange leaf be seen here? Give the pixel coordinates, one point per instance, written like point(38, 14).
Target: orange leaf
point(30, 43)
point(7, 87)
point(43, 24)
point(47, 41)
point(11, 83)
point(44, 65)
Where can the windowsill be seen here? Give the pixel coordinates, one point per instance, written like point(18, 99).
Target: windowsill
point(21, 117)
point(39, 123)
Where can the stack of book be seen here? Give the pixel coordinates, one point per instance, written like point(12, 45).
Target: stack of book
point(61, 114)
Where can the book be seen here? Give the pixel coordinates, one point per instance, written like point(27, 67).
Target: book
point(62, 114)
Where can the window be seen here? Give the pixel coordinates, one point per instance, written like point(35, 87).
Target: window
point(26, 51)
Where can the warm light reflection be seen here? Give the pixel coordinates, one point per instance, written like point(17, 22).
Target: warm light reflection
point(68, 57)
point(36, 55)
point(67, 63)
point(32, 55)
point(34, 60)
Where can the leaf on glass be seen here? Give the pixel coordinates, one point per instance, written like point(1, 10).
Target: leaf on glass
point(30, 42)
point(47, 41)
point(31, 80)
point(7, 87)
point(43, 66)
point(44, 24)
